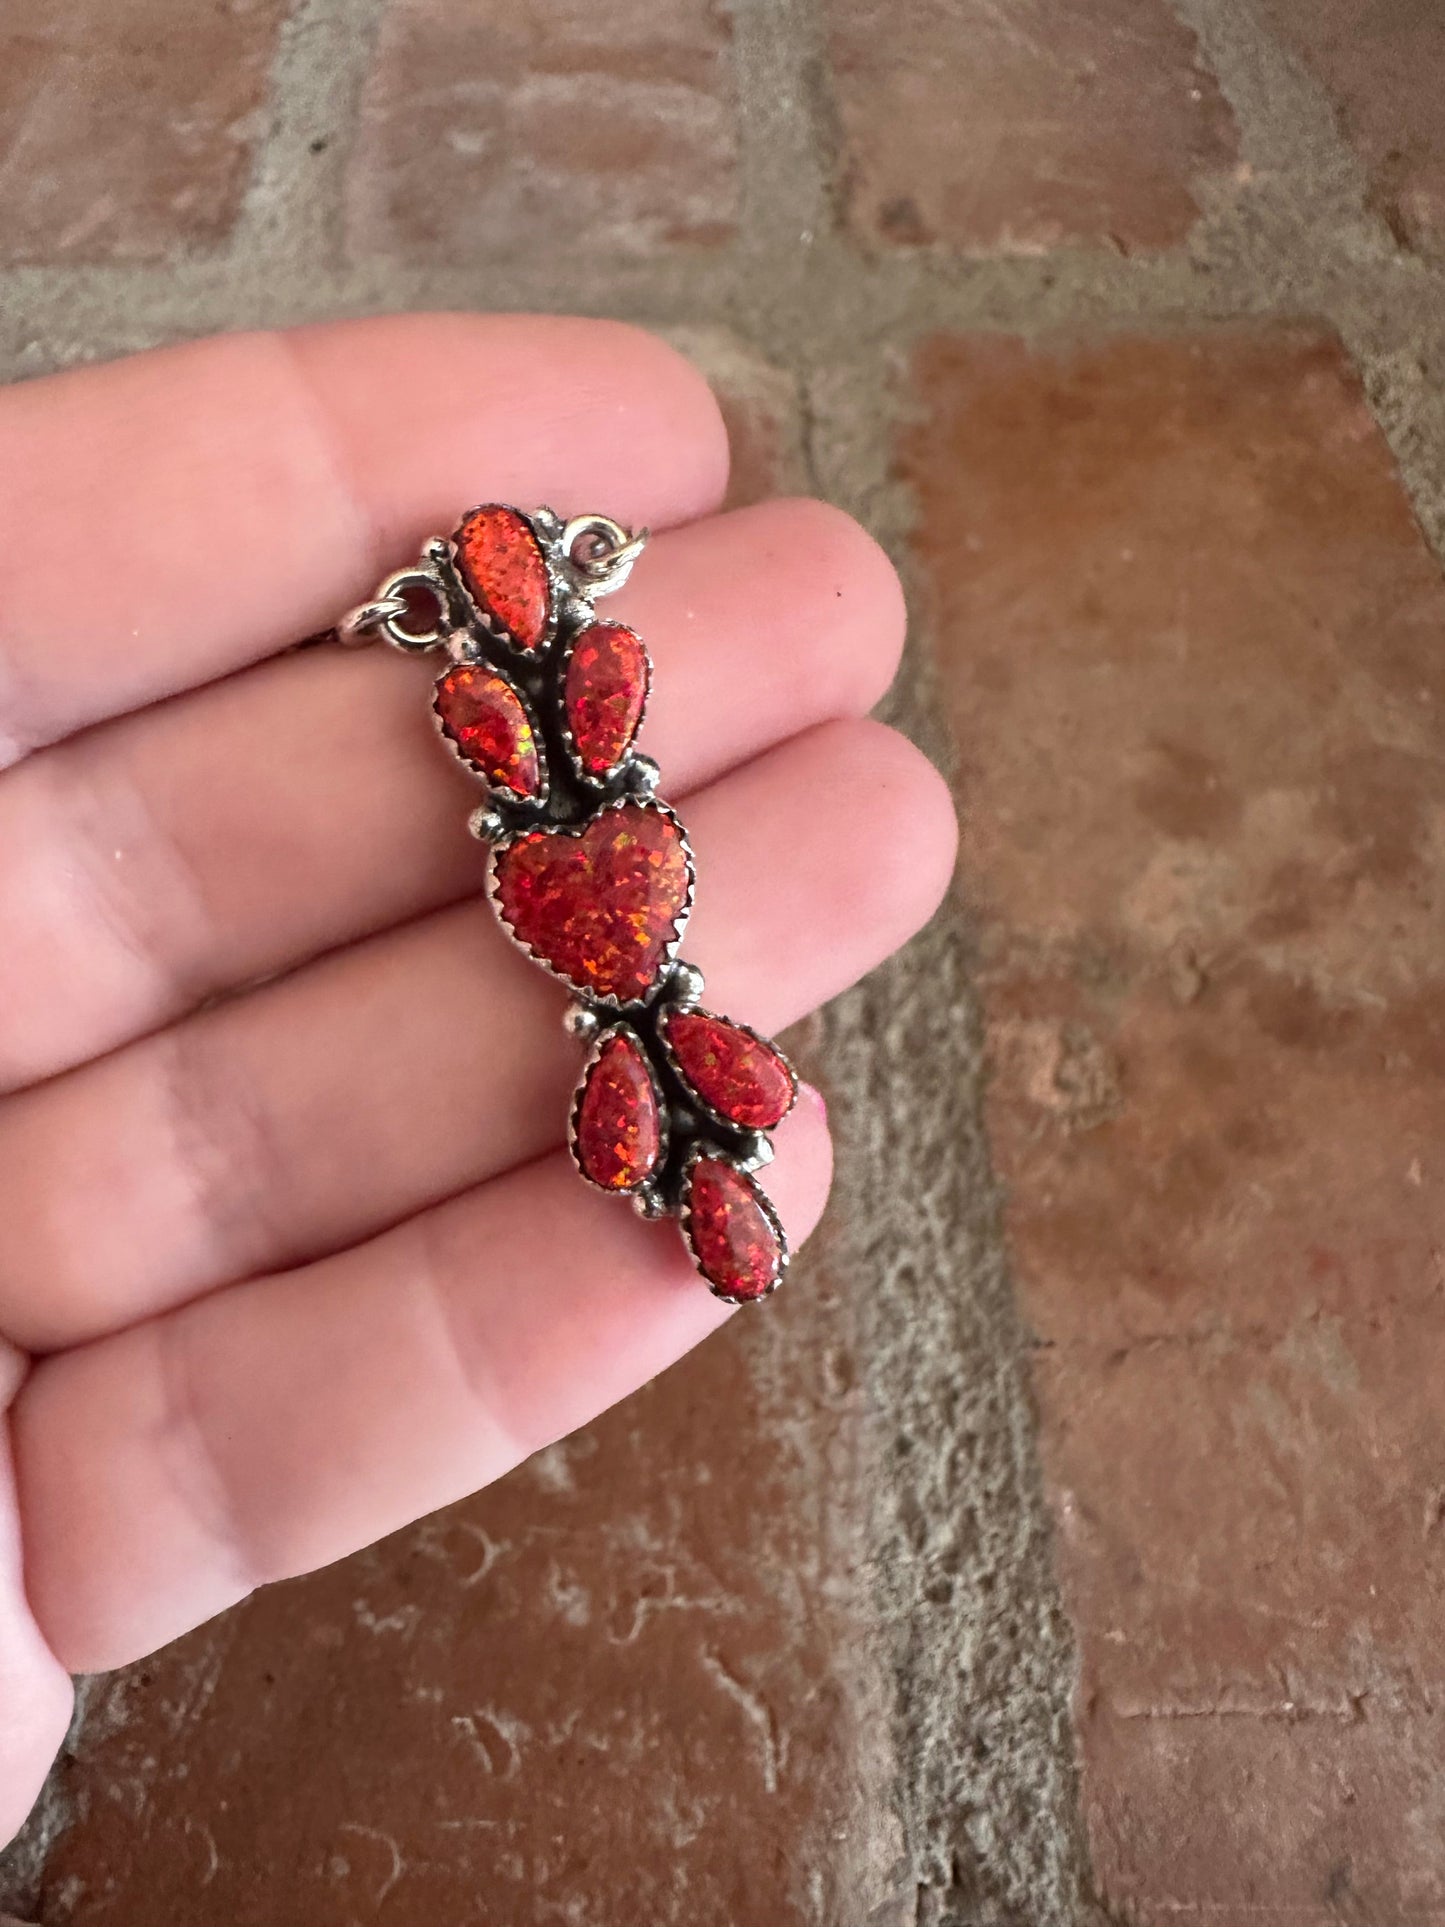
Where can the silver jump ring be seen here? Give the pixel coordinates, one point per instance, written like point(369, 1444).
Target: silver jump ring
point(614, 550)
point(384, 614)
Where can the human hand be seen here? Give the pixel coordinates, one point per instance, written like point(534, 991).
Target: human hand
point(289, 1252)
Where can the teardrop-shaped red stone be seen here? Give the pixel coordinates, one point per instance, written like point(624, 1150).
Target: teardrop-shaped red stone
point(736, 1074)
point(733, 1238)
point(501, 562)
point(618, 1132)
point(606, 688)
point(484, 716)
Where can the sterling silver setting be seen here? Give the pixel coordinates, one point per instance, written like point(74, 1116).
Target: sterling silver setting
point(432, 606)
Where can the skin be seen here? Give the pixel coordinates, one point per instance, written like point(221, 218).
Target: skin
point(291, 1251)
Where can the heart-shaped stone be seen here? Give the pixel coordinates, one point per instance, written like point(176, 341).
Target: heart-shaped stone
point(604, 906)
point(501, 562)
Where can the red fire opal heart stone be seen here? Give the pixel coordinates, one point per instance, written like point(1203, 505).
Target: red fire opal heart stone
point(606, 688)
point(483, 715)
point(502, 565)
point(618, 1131)
point(733, 1237)
point(602, 905)
point(737, 1075)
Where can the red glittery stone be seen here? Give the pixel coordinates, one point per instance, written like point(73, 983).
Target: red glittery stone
point(735, 1074)
point(483, 715)
point(618, 1133)
point(601, 906)
point(606, 688)
point(502, 565)
point(733, 1238)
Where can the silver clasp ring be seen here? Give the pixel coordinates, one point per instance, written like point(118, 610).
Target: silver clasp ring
point(609, 551)
point(385, 612)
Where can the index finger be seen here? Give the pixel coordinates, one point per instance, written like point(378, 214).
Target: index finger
point(170, 518)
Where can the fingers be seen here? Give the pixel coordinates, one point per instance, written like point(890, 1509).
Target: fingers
point(431, 1057)
point(226, 835)
point(270, 1428)
point(166, 519)
point(35, 1693)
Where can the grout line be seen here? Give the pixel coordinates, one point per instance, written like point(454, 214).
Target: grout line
point(293, 215)
point(784, 192)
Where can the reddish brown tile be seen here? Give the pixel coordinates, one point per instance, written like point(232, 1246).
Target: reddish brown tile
point(1015, 127)
point(1251, 1534)
point(528, 127)
point(125, 134)
point(1190, 640)
point(1383, 64)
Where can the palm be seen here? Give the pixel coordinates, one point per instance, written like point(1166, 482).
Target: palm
point(290, 1254)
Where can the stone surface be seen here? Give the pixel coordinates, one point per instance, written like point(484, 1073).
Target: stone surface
point(538, 126)
point(736, 1073)
point(601, 907)
point(501, 562)
point(734, 1239)
point(484, 716)
point(977, 125)
point(125, 135)
point(605, 689)
point(1383, 64)
point(619, 1124)
point(1191, 644)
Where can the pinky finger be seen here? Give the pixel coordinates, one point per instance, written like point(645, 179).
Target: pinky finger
point(35, 1695)
point(268, 1429)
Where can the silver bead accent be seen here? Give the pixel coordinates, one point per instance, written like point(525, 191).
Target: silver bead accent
point(761, 1153)
point(685, 985)
point(647, 1203)
point(643, 776)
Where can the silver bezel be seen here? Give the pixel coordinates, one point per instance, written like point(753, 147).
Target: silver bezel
point(564, 669)
point(599, 1043)
point(499, 847)
point(704, 1150)
point(665, 1018)
point(503, 790)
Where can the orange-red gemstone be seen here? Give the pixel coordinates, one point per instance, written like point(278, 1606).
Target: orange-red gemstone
point(733, 1238)
point(601, 906)
point(618, 1135)
point(606, 688)
point(735, 1074)
point(502, 565)
point(484, 717)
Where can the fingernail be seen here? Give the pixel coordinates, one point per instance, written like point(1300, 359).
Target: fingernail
point(814, 1097)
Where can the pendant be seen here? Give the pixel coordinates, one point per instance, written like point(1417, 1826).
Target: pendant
point(590, 872)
